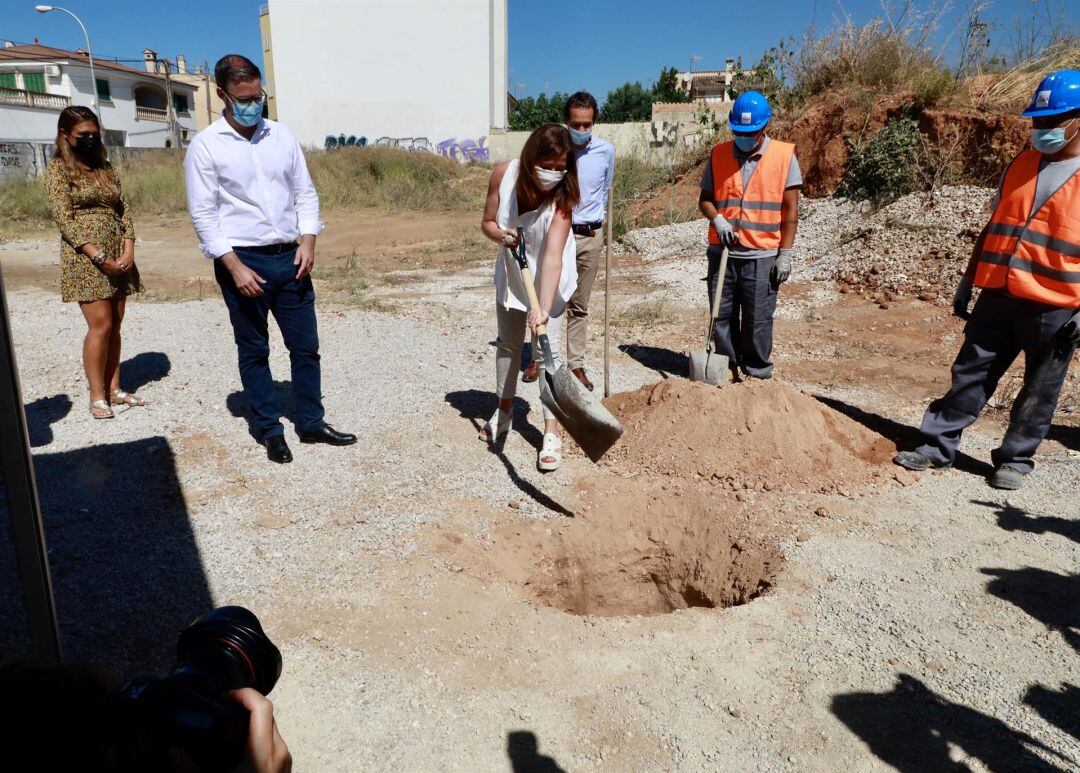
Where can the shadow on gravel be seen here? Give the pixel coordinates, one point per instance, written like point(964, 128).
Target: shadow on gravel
point(1059, 708)
point(1051, 598)
point(912, 727)
point(126, 570)
point(478, 407)
point(42, 414)
point(664, 361)
point(1014, 519)
point(523, 749)
point(1067, 436)
point(143, 369)
point(237, 405)
point(902, 435)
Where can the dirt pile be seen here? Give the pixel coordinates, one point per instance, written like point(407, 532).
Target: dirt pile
point(761, 435)
point(639, 549)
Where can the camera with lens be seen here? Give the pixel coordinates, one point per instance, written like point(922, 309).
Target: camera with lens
point(188, 712)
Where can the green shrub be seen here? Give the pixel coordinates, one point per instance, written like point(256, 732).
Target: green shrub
point(885, 165)
point(23, 202)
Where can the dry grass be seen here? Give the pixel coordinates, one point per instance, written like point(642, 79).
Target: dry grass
point(1012, 92)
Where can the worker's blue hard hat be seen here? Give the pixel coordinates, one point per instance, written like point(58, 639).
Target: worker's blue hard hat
point(749, 113)
point(1058, 93)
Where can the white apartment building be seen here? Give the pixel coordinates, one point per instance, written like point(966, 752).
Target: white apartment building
point(37, 82)
point(428, 75)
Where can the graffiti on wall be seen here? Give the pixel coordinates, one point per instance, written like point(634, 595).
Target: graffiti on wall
point(463, 150)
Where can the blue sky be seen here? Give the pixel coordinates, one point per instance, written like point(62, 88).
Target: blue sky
point(565, 44)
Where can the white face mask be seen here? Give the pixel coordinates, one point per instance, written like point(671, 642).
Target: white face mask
point(548, 178)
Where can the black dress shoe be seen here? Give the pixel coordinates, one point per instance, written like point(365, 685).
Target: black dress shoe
point(277, 450)
point(327, 434)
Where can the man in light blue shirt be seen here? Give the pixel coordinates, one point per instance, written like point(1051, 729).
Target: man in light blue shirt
point(596, 171)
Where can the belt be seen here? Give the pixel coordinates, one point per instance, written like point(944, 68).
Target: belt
point(269, 249)
point(587, 229)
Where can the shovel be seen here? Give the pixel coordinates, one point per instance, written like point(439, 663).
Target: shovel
point(588, 422)
point(707, 365)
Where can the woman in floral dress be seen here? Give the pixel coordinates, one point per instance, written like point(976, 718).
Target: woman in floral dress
point(97, 250)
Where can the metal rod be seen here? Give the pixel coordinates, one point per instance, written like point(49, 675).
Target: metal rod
point(607, 301)
point(27, 530)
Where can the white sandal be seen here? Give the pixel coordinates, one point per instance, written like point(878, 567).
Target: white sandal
point(100, 409)
point(501, 422)
point(550, 450)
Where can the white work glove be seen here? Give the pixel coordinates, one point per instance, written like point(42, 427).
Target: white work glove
point(782, 267)
point(724, 230)
point(962, 298)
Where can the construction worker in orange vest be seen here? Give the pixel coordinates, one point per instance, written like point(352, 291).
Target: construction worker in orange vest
point(1027, 262)
point(750, 194)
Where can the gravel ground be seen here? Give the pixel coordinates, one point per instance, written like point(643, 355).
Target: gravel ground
point(926, 627)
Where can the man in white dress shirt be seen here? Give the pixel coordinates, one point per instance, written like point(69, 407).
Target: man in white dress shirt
point(256, 214)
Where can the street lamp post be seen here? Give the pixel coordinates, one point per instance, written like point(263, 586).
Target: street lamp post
point(89, 55)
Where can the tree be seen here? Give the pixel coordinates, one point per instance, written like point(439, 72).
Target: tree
point(628, 102)
point(532, 112)
point(666, 88)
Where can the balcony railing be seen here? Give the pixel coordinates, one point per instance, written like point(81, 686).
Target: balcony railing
point(150, 114)
point(23, 98)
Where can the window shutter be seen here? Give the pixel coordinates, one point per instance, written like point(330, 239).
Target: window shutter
point(34, 81)
point(103, 90)
point(7, 80)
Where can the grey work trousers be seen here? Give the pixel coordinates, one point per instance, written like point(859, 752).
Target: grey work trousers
point(999, 329)
point(744, 324)
point(512, 326)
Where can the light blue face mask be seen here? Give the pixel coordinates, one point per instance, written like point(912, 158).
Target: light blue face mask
point(1049, 141)
point(746, 144)
point(580, 138)
point(246, 114)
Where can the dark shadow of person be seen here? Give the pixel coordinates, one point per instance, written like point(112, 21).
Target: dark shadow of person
point(142, 369)
point(1014, 519)
point(126, 571)
point(1052, 599)
point(237, 404)
point(664, 361)
point(478, 407)
point(1059, 708)
point(42, 414)
point(1067, 436)
point(911, 728)
point(902, 435)
point(523, 750)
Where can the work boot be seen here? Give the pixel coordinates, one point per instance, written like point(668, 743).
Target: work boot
point(1007, 478)
point(916, 462)
point(583, 378)
point(531, 373)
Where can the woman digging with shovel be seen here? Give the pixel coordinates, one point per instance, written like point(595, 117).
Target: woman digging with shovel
point(534, 196)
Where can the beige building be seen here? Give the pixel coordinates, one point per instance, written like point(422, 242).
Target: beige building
point(268, 61)
point(206, 104)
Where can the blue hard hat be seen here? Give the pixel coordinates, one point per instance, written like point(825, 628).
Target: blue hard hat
point(749, 113)
point(1058, 93)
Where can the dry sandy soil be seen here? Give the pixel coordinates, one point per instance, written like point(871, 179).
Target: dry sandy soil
point(744, 584)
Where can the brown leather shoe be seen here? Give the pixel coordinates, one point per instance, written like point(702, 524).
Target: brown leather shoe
point(531, 373)
point(584, 379)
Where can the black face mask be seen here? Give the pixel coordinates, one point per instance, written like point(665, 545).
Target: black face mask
point(88, 144)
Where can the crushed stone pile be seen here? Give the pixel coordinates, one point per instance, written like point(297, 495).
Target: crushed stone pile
point(761, 435)
point(916, 246)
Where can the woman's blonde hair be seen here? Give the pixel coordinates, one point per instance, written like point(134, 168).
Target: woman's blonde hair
point(70, 117)
point(551, 139)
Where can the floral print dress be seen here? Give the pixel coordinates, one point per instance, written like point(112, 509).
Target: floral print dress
point(88, 211)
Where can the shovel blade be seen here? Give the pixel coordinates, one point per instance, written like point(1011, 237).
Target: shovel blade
point(708, 367)
point(585, 418)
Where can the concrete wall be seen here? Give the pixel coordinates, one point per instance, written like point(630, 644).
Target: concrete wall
point(655, 142)
point(430, 70)
point(29, 160)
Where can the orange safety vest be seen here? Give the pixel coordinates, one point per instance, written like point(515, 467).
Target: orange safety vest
point(755, 212)
point(1033, 255)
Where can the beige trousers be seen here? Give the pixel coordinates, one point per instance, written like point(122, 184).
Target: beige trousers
point(589, 251)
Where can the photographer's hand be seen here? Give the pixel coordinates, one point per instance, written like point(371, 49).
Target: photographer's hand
point(266, 752)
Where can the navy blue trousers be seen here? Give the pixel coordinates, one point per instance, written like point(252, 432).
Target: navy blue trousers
point(1000, 328)
point(744, 324)
point(292, 303)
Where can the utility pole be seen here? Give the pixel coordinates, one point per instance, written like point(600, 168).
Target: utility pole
point(206, 80)
point(170, 112)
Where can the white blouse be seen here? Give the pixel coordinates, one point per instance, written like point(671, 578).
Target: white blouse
point(510, 289)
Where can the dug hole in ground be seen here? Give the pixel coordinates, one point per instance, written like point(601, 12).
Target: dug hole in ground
point(743, 583)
